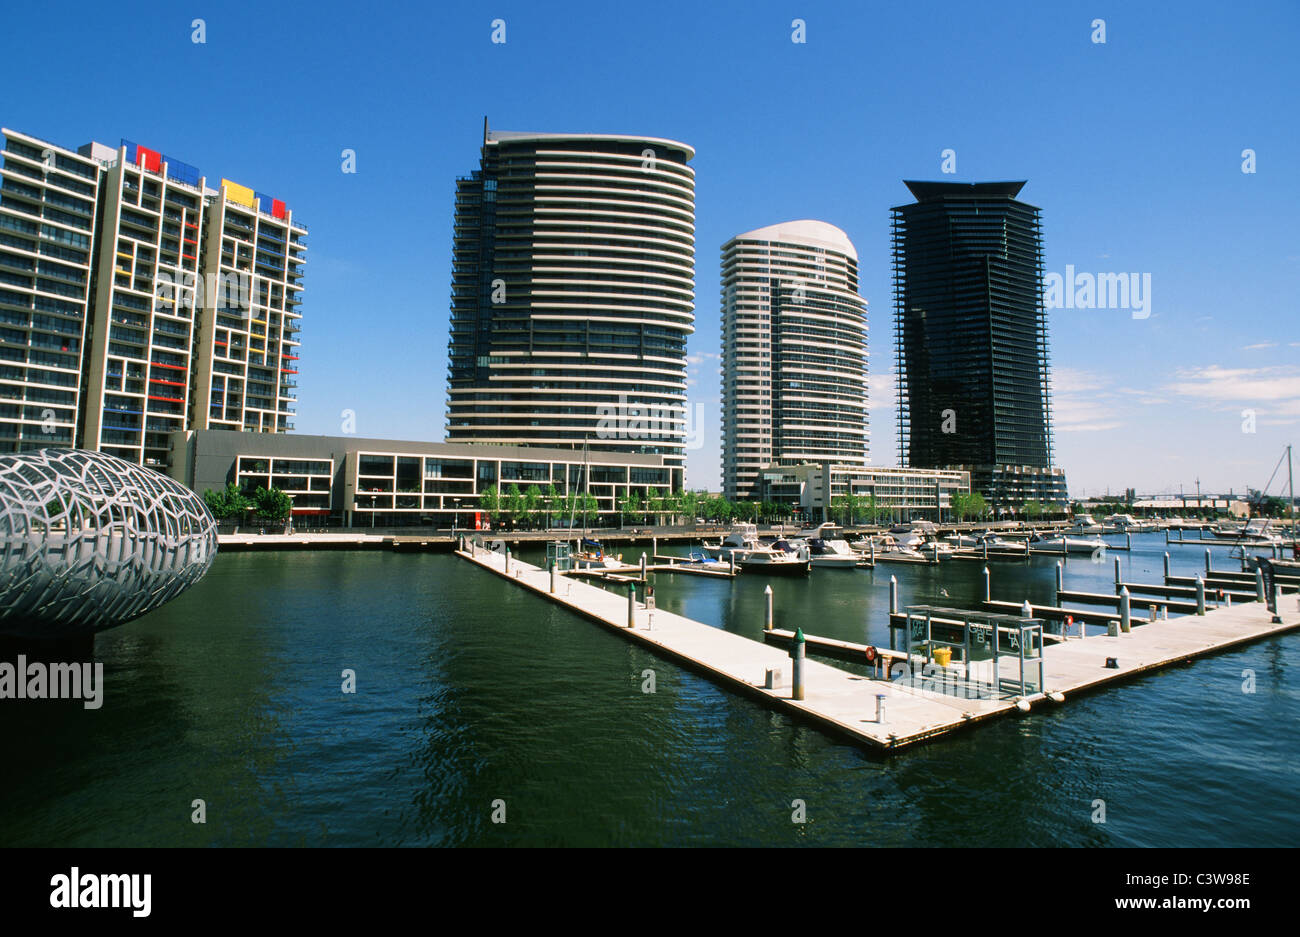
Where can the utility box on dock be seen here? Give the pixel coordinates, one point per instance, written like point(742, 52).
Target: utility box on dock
point(559, 555)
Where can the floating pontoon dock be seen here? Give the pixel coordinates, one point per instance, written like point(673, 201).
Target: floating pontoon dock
point(891, 714)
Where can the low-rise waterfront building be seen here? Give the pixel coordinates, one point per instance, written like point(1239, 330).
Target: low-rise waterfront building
point(900, 493)
point(358, 482)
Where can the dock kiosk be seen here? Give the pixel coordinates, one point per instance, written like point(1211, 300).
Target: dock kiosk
point(1001, 655)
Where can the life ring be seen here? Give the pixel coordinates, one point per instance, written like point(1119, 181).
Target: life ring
point(871, 654)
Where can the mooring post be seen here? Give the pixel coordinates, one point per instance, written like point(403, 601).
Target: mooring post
point(631, 605)
point(507, 559)
point(1128, 541)
point(732, 558)
point(1060, 580)
point(880, 708)
point(1112, 629)
point(643, 566)
point(1277, 604)
point(654, 547)
point(1200, 596)
point(986, 547)
point(872, 541)
point(1125, 611)
point(1117, 576)
point(1166, 565)
point(1151, 614)
point(768, 622)
point(988, 596)
point(893, 595)
point(1207, 561)
point(551, 563)
point(797, 654)
point(1259, 584)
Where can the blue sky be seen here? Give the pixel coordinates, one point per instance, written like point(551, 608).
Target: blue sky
point(1132, 148)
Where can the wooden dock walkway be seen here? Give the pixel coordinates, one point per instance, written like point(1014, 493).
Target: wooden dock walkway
point(845, 704)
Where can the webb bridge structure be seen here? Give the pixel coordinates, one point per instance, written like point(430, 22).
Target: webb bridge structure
point(89, 541)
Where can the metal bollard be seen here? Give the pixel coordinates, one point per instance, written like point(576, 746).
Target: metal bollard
point(643, 567)
point(631, 605)
point(987, 593)
point(880, 708)
point(552, 564)
point(1117, 576)
point(1200, 596)
point(1259, 584)
point(1125, 612)
point(1060, 581)
point(507, 559)
point(768, 622)
point(1112, 629)
point(893, 595)
point(1151, 614)
point(1166, 563)
point(1277, 604)
point(1207, 561)
point(797, 654)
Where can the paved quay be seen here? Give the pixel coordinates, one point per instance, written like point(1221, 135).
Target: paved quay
point(845, 704)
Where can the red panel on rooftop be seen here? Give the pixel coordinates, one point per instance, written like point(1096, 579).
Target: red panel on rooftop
point(148, 159)
point(277, 208)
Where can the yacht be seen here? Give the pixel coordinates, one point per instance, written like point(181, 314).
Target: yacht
point(1125, 524)
point(1085, 524)
point(740, 538)
point(593, 556)
point(833, 554)
point(1061, 543)
point(780, 559)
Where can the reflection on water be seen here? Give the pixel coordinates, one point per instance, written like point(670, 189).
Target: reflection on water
point(470, 691)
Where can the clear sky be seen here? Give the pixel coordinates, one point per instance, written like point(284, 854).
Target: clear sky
point(1132, 148)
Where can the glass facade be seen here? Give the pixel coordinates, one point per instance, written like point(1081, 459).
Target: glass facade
point(971, 334)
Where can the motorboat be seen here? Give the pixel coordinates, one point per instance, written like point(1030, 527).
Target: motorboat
point(740, 538)
point(1085, 524)
point(1061, 543)
point(1123, 524)
point(833, 554)
point(780, 559)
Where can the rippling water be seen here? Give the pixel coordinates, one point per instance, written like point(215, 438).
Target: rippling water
point(469, 691)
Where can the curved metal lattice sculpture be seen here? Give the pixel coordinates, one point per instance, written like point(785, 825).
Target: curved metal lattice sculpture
point(89, 541)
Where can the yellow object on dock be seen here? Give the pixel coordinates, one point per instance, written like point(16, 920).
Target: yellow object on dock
point(943, 656)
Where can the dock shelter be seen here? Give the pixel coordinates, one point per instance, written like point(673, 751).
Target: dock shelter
point(1000, 655)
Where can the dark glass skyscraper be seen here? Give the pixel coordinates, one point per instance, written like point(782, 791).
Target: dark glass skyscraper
point(971, 338)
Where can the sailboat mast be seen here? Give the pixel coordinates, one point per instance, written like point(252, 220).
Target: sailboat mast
point(1290, 484)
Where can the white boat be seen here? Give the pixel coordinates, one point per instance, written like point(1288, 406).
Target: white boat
point(1125, 524)
point(740, 538)
point(1060, 543)
point(595, 557)
point(833, 554)
point(780, 559)
point(1085, 524)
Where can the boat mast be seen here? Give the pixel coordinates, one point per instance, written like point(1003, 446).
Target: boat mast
point(1290, 484)
point(586, 485)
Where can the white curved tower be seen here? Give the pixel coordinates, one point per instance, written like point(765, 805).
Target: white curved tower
point(794, 352)
point(573, 294)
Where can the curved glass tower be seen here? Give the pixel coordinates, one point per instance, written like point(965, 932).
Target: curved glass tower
point(794, 352)
point(573, 286)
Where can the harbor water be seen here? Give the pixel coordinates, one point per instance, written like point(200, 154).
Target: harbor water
point(475, 701)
